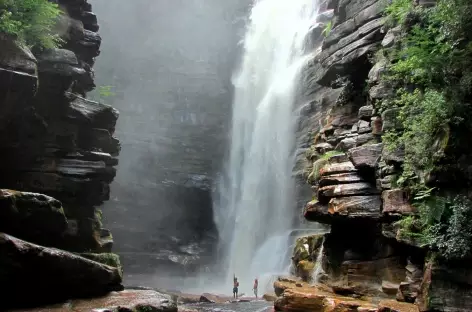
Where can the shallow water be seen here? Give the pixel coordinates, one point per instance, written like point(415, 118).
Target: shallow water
point(253, 306)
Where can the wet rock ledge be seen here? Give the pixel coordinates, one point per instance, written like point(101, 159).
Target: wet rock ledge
point(57, 160)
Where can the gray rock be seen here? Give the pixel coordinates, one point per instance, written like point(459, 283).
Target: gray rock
point(48, 274)
point(396, 156)
point(390, 37)
point(32, 216)
point(370, 13)
point(323, 147)
point(364, 138)
point(381, 91)
point(60, 56)
point(363, 127)
point(93, 114)
point(377, 70)
point(366, 112)
point(16, 57)
point(366, 156)
point(325, 16)
point(346, 144)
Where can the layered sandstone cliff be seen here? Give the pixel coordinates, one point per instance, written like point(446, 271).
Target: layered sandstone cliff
point(351, 174)
point(58, 157)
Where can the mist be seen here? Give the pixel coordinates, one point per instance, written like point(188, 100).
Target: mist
point(168, 64)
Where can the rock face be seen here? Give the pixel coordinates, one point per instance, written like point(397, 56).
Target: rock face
point(366, 254)
point(58, 157)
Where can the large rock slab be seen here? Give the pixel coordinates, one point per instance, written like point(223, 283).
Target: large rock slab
point(93, 114)
point(124, 301)
point(340, 178)
point(341, 190)
point(356, 207)
point(366, 156)
point(334, 168)
point(36, 274)
point(32, 216)
point(349, 208)
point(396, 202)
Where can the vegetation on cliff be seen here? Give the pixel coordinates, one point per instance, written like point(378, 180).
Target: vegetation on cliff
point(430, 69)
point(30, 21)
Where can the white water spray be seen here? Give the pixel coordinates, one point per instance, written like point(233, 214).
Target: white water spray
point(256, 208)
point(319, 264)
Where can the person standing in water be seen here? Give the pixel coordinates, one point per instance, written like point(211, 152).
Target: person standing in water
point(256, 284)
point(235, 287)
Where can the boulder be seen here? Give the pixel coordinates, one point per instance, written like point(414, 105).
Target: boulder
point(36, 274)
point(391, 37)
point(366, 156)
point(396, 202)
point(124, 301)
point(36, 217)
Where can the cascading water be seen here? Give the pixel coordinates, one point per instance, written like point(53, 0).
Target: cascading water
point(319, 264)
point(256, 211)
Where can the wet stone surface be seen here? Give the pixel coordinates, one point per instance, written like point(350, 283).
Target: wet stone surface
point(253, 306)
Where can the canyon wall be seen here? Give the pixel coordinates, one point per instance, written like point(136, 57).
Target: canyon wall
point(352, 174)
point(58, 158)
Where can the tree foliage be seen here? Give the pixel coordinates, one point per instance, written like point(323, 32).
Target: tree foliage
point(30, 21)
point(431, 70)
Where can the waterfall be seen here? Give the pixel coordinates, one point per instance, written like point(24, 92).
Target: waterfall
point(256, 205)
point(319, 264)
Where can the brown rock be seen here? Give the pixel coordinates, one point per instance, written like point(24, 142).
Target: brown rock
point(271, 297)
point(31, 216)
point(347, 190)
point(333, 168)
point(366, 156)
point(395, 306)
point(389, 288)
point(396, 202)
point(356, 206)
point(376, 123)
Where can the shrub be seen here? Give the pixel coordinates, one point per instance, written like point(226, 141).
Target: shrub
point(431, 71)
point(30, 21)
